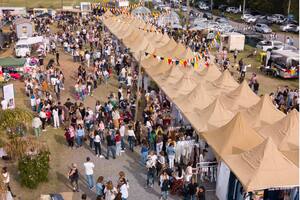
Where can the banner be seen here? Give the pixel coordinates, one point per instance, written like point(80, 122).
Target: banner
point(9, 95)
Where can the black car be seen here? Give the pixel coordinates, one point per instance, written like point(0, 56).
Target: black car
point(207, 15)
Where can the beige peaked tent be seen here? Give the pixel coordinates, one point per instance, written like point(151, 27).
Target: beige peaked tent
point(162, 51)
point(210, 73)
point(241, 97)
point(197, 98)
point(233, 138)
point(156, 70)
point(170, 77)
point(285, 132)
point(213, 116)
point(183, 86)
point(263, 167)
point(263, 113)
point(149, 61)
point(224, 83)
point(292, 155)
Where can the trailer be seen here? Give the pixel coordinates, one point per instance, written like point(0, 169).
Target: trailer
point(233, 41)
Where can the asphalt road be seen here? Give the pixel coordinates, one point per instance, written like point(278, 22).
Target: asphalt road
point(280, 35)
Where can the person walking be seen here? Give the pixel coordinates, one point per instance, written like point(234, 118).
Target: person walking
point(36, 125)
point(57, 58)
point(131, 137)
point(150, 165)
point(193, 188)
point(164, 181)
point(79, 135)
point(110, 145)
point(171, 154)
point(118, 143)
point(123, 188)
point(100, 188)
point(122, 134)
point(55, 117)
point(97, 144)
point(110, 191)
point(144, 152)
point(89, 172)
point(6, 180)
point(43, 118)
point(74, 177)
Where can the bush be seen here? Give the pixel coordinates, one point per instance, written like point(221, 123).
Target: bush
point(34, 169)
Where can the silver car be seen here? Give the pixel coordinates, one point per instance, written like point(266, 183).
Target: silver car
point(262, 28)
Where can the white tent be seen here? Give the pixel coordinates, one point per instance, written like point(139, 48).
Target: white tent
point(141, 11)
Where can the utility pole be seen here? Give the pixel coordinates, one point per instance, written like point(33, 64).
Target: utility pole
point(211, 5)
point(188, 13)
point(244, 5)
point(138, 88)
point(289, 7)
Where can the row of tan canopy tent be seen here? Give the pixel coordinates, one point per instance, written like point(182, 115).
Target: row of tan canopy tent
point(259, 143)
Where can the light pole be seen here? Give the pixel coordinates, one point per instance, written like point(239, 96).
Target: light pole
point(244, 5)
point(289, 7)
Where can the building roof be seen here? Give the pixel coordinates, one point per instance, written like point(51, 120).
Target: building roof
point(22, 21)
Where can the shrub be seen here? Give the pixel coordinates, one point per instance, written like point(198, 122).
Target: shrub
point(34, 169)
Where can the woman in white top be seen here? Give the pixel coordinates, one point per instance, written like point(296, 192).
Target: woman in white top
point(131, 137)
point(188, 172)
point(123, 188)
point(110, 191)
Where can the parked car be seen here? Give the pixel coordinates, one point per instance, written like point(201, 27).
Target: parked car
point(232, 10)
point(203, 6)
point(269, 45)
point(221, 20)
point(262, 28)
point(277, 18)
point(208, 16)
point(263, 20)
point(251, 20)
point(246, 16)
point(290, 28)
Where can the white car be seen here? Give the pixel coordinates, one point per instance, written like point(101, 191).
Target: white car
point(290, 28)
point(262, 28)
point(270, 45)
point(22, 49)
point(203, 6)
point(232, 10)
point(246, 16)
point(277, 18)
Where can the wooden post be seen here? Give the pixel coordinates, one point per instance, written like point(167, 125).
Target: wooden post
point(138, 88)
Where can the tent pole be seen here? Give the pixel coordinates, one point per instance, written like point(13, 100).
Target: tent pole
point(138, 88)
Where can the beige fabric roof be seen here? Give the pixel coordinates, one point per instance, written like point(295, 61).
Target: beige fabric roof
point(197, 98)
point(183, 86)
point(292, 155)
point(162, 51)
point(210, 73)
point(158, 69)
point(263, 113)
point(263, 167)
point(235, 137)
point(241, 97)
point(224, 83)
point(285, 132)
point(171, 76)
point(149, 61)
point(213, 116)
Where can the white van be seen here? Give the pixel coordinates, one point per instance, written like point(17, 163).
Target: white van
point(22, 48)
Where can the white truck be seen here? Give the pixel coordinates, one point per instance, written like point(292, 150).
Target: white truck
point(24, 45)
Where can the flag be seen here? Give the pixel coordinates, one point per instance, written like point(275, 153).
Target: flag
point(169, 61)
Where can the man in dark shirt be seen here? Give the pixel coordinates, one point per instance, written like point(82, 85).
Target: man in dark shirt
point(110, 146)
point(192, 187)
point(68, 104)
